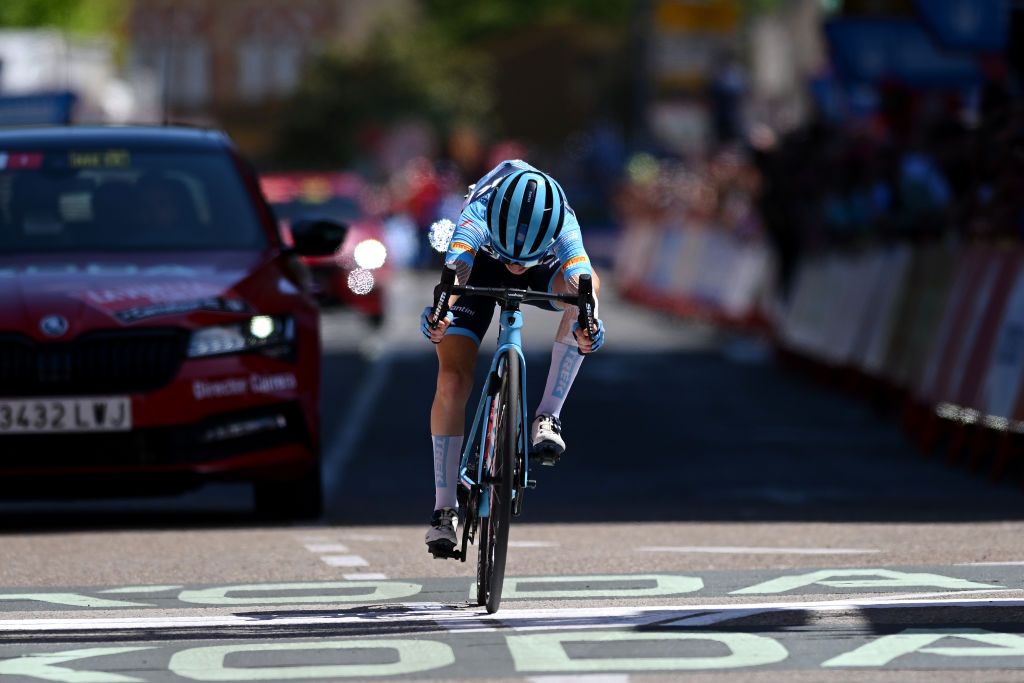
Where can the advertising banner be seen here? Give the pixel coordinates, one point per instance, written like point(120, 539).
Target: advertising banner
point(878, 50)
point(896, 273)
point(968, 375)
point(967, 25)
point(1005, 375)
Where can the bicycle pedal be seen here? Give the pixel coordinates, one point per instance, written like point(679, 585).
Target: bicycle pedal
point(546, 456)
point(444, 551)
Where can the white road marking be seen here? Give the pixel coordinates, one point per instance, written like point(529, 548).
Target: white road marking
point(453, 618)
point(326, 548)
point(142, 589)
point(741, 550)
point(329, 550)
point(991, 564)
point(344, 560)
point(532, 544)
point(365, 576)
point(583, 678)
point(369, 537)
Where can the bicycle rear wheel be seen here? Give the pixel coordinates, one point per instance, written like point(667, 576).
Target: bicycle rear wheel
point(493, 548)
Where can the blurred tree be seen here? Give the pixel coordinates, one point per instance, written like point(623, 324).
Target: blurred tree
point(484, 20)
point(78, 16)
point(879, 7)
point(531, 69)
point(346, 100)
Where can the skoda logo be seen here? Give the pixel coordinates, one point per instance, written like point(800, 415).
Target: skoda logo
point(53, 325)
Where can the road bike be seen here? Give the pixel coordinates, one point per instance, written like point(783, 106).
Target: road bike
point(494, 471)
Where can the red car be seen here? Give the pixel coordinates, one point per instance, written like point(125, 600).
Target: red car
point(355, 276)
point(154, 329)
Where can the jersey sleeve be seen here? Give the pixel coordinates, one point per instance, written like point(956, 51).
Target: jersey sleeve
point(470, 234)
point(569, 249)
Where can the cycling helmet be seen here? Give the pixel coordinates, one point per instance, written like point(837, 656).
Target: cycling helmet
point(525, 215)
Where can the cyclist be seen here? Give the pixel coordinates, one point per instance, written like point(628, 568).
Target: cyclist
point(517, 230)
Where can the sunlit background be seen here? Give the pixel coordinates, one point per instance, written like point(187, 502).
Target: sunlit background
point(844, 178)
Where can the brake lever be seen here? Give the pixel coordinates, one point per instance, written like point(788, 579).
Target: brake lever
point(442, 294)
point(586, 307)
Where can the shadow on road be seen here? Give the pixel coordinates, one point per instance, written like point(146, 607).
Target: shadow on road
point(681, 436)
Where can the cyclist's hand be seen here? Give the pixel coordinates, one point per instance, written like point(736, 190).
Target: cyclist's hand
point(434, 335)
point(588, 344)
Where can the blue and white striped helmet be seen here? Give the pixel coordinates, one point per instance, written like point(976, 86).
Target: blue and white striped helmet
point(525, 215)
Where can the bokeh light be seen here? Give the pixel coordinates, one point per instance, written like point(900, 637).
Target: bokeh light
point(370, 254)
point(361, 281)
point(441, 234)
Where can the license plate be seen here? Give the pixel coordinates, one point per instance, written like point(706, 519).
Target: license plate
point(54, 415)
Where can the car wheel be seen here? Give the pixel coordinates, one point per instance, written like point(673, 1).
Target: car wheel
point(286, 500)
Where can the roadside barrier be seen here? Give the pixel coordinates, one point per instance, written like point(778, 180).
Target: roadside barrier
point(697, 272)
point(933, 332)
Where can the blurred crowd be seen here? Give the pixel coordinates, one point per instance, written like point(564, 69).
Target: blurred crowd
point(718, 192)
point(922, 166)
point(919, 166)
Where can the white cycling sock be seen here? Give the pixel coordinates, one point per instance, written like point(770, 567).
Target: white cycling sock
point(565, 363)
point(447, 457)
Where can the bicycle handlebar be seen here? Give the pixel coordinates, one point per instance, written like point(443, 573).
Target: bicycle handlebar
point(584, 300)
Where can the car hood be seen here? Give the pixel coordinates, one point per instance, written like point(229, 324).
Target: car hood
point(52, 298)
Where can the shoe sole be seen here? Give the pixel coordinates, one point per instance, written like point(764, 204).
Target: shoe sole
point(442, 550)
point(547, 452)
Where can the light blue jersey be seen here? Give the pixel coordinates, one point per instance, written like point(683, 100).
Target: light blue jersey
point(471, 235)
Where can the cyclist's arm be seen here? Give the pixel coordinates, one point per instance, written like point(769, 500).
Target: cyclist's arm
point(575, 262)
point(470, 234)
point(570, 252)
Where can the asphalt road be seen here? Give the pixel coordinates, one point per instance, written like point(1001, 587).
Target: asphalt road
point(714, 515)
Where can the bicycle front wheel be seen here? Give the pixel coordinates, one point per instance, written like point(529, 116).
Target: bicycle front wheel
point(506, 421)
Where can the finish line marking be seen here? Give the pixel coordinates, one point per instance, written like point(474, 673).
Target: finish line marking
point(472, 619)
point(741, 550)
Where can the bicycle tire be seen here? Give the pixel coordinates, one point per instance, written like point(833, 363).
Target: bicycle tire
point(483, 563)
point(494, 532)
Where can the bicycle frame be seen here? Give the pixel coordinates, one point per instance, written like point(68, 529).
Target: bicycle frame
point(509, 338)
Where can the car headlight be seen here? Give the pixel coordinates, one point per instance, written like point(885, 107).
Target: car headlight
point(274, 335)
point(370, 254)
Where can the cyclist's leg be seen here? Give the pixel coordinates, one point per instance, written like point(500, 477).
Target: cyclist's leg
point(456, 358)
point(565, 364)
point(456, 355)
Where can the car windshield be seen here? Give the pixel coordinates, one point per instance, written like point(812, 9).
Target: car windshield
point(124, 200)
point(341, 209)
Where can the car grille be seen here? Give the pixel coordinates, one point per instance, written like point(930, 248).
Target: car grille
point(107, 362)
point(206, 441)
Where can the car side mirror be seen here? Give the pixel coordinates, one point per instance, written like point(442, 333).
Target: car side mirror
point(317, 236)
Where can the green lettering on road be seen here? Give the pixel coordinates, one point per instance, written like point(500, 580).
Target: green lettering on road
point(663, 585)
point(869, 578)
point(414, 656)
point(43, 666)
point(71, 599)
point(887, 648)
point(546, 652)
point(369, 591)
